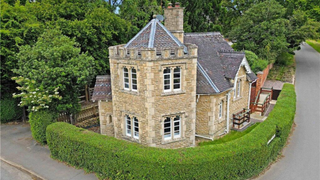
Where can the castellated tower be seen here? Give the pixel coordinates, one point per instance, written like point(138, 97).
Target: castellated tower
point(153, 79)
point(174, 20)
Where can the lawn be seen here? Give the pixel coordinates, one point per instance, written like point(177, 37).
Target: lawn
point(230, 137)
point(283, 69)
point(315, 44)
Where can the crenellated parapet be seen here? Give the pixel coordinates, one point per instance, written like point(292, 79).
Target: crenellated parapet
point(152, 54)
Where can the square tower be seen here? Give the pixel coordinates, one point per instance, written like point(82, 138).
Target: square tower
point(153, 79)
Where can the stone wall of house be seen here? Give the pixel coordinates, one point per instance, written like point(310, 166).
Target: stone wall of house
point(105, 117)
point(238, 103)
point(208, 122)
point(150, 104)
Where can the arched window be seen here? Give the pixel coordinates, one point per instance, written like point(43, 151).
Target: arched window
point(132, 127)
point(171, 79)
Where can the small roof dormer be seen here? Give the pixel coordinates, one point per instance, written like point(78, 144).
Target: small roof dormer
point(155, 35)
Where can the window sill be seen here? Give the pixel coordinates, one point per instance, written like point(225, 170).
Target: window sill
point(169, 141)
point(172, 93)
point(130, 92)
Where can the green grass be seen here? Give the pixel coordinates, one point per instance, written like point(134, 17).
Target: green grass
point(230, 137)
point(315, 44)
point(283, 69)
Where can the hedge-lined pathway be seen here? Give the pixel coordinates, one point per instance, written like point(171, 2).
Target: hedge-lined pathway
point(301, 159)
point(18, 147)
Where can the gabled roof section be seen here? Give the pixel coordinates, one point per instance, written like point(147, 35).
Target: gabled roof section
point(209, 62)
point(155, 35)
point(102, 88)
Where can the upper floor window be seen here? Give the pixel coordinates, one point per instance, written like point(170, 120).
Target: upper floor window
point(171, 79)
point(172, 128)
point(132, 127)
point(238, 88)
point(125, 78)
point(134, 79)
point(130, 79)
point(220, 109)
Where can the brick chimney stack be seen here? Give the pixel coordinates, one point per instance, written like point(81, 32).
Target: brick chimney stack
point(174, 20)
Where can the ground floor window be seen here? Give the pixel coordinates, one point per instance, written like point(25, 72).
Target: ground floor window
point(132, 127)
point(172, 127)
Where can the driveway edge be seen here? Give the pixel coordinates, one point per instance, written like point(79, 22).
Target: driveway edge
point(31, 173)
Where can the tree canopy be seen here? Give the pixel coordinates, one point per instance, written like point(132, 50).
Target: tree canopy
point(53, 66)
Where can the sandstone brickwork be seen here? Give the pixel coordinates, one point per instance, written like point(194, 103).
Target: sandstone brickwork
point(150, 104)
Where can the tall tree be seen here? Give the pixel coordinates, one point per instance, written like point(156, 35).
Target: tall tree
point(54, 65)
point(262, 29)
point(17, 27)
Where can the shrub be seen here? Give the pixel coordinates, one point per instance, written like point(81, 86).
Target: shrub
point(255, 63)
point(38, 122)
point(285, 59)
point(111, 158)
point(9, 109)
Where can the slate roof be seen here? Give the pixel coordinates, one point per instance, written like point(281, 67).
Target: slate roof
point(102, 88)
point(155, 35)
point(217, 62)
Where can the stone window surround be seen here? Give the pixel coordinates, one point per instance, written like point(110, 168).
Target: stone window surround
point(132, 137)
point(224, 109)
point(121, 73)
point(182, 124)
point(237, 96)
point(182, 67)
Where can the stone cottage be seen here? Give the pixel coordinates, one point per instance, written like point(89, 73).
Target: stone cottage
point(166, 87)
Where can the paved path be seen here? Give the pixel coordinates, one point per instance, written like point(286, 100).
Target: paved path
point(301, 157)
point(18, 147)
point(9, 172)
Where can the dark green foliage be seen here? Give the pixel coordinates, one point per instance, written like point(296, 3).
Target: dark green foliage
point(111, 158)
point(56, 61)
point(9, 109)
point(38, 122)
point(255, 63)
point(285, 59)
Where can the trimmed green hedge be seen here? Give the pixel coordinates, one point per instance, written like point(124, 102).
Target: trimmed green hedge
point(9, 109)
point(38, 124)
point(117, 159)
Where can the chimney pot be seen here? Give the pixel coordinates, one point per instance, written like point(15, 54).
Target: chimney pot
point(170, 5)
point(177, 4)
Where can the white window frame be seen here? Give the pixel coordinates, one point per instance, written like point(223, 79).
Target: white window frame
point(174, 130)
point(128, 122)
point(132, 127)
point(126, 71)
point(164, 79)
point(220, 109)
point(132, 80)
point(239, 88)
point(135, 128)
point(174, 78)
